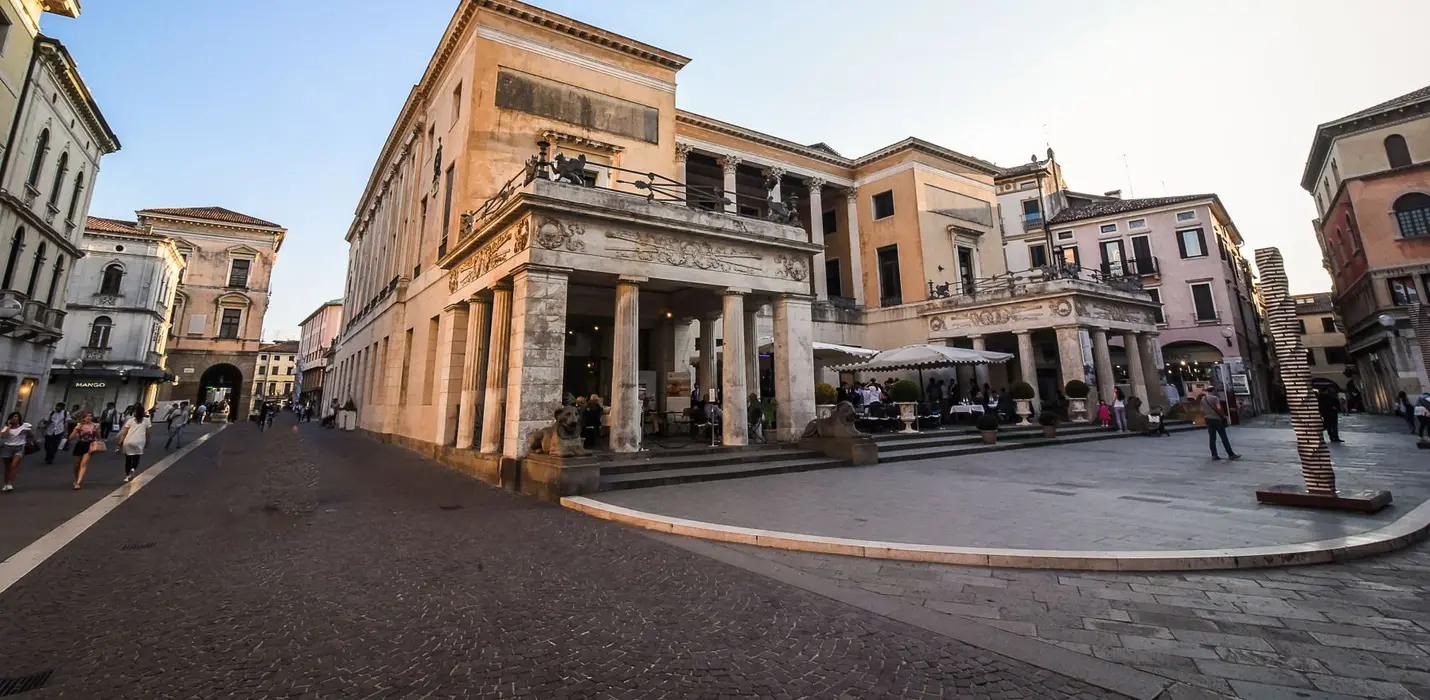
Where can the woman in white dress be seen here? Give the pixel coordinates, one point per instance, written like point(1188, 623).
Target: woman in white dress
point(133, 438)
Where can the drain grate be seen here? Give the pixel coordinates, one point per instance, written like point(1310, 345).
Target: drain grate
point(453, 507)
point(136, 545)
point(22, 684)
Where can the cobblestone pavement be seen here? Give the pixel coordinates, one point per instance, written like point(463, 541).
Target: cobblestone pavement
point(304, 562)
point(1135, 494)
point(1349, 423)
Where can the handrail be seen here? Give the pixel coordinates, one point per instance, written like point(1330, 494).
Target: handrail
point(1016, 283)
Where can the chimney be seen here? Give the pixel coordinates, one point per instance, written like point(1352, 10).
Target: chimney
point(1115, 194)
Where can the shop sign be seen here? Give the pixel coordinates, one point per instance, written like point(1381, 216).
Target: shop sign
point(91, 384)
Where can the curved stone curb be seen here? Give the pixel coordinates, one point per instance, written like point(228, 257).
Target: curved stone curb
point(1410, 528)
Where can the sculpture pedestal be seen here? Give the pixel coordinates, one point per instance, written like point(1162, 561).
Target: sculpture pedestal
point(1368, 501)
point(549, 478)
point(860, 451)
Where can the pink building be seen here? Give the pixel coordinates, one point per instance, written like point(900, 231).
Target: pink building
point(1187, 253)
point(317, 333)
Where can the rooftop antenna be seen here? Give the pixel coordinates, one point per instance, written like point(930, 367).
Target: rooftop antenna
point(1127, 168)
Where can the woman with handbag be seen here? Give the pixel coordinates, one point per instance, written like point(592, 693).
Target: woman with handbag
point(85, 438)
point(17, 439)
point(133, 438)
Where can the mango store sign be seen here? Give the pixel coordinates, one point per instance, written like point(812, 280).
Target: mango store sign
point(91, 384)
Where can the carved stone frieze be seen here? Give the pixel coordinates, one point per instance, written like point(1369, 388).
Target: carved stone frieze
point(1112, 312)
point(482, 260)
point(556, 235)
point(792, 267)
point(668, 249)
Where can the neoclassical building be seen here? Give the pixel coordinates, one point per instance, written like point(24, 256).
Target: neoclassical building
point(543, 221)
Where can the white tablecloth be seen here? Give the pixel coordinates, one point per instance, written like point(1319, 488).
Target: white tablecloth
point(964, 408)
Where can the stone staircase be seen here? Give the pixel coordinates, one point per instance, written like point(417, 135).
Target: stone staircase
point(680, 466)
point(952, 442)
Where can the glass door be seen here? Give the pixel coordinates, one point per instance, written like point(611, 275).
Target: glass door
point(1112, 257)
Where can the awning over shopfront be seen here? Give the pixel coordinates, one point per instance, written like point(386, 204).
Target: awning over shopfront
point(923, 356)
point(828, 353)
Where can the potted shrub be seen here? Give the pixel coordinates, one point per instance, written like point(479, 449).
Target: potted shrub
point(824, 398)
point(905, 395)
point(988, 425)
point(1023, 393)
point(347, 416)
point(1049, 421)
point(1077, 391)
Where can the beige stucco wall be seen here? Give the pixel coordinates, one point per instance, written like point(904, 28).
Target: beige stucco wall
point(1363, 153)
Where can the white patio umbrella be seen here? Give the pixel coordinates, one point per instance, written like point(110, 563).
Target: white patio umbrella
point(826, 353)
point(923, 356)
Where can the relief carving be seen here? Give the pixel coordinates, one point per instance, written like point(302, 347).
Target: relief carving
point(1061, 307)
point(793, 268)
point(481, 261)
point(1120, 314)
point(680, 252)
point(523, 235)
point(553, 235)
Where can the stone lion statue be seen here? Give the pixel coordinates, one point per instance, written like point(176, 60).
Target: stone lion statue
point(839, 424)
point(562, 438)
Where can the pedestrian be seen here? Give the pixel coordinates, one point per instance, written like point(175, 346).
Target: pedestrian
point(177, 418)
point(1119, 410)
point(1405, 409)
point(263, 411)
point(1329, 406)
point(199, 413)
point(56, 427)
point(270, 414)
point(107, 418)
point(1155, 426)
point(85, 438)
point(592, 419)
point(755, 414)
point(133, 438)
point(1422, 415)
point(15, 440)
point(1104, 414)
point(1216, 417)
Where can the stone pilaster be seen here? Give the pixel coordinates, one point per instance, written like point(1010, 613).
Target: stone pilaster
point(980, 372)
point(816, 236)
point(1135, 377)
point(856, 267)
point(752, 352)
point(474, 375)
point(705, 374)
point(682, 154)
point(729, 164)
point(1027, 364)
point(735, 430)
point(538, 354)
point(1069, 353)
point(793, 367)
point(1102, 363)
point(625, 363)
point(498, 369)
point(451, 358)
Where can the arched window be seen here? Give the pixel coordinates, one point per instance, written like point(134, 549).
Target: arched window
point(38, 163)
point(17, 243)
point(59, 179)
point(1396, 151)
point(35, 269)
point(113, 276)
point(74, 197)
point(55, 277)
point(99, 332)
point(1412, 212)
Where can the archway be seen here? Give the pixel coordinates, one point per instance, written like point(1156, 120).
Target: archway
point(1190, 361)
point(221, 383)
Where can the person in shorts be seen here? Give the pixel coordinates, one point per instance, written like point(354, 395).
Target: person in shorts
point(85, 434)
point(14, 438)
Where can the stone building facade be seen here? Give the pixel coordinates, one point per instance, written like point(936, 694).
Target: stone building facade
point(1325, 342)
point(316, 335)
point(276, 378)
point(46, 179)
point(1369, 174)
point(116, 328)
point(19, 29)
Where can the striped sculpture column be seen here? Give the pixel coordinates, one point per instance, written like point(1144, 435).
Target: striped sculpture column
point(1420, 322)
point(1291, 355)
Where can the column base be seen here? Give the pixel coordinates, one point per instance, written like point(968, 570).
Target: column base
point(549, 478)
point(1367, 501)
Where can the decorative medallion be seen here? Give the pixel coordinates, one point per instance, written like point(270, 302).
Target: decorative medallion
point(792, 267)
point(106, 300)
point(936, 323)
point(680, 252)
point(553, 235)
point(1061, 307)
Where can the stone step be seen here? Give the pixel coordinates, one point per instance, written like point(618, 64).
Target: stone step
point(889, 455)
point(664, 477)
point(673, 459)
point(958, 436)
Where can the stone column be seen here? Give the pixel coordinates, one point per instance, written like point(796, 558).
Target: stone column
point(1102, 364)
point(1135, 377)
point(705, 373)
point(662, 358)
point(451, 359)
point(498, 367)
point(682, 152)
point(1156, 395)
point(856, 268)
point(980, 372)
point(538, 353)
point(752, 351)
point(735, 429)
point(474, 375)
point(729, 164)
point(793, 367)
point(1069, 353)
point(625, 364)
point(1026, 363)
point(816, 236)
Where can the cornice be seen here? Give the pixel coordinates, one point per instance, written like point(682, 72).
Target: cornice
point(585, 32)
point(763, 139)
point(59, 60)
point(1328, 133)
point(212, 223)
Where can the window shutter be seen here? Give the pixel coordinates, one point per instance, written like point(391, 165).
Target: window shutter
point(1202, 241)
point(1182, 243)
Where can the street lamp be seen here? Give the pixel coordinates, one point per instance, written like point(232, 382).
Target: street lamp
point(1228, 333)
point(10, 308)
point(1388, 322)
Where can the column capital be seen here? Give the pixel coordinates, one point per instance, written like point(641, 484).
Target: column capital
point(1023, 332)
point(851, 194)
point(1132, 334)
point(775, 171)
point(728, 291)
point(455, 306)
point(503, 284)
point(976, 336)
point(631, 279)
point(728, 163)
point(482, 297)
point(814, 184)
point(682, 150)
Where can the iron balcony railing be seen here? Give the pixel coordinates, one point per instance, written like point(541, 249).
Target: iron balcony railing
point(1017, 283)
point(1032, 221)
point(1136, 267)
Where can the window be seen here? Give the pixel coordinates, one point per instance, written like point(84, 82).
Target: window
point(112, 279)
point(1038, 255)
point(99, 332)
point(17, 243)
point(1156, 295)
point(263, 357)
point(1402, 291)
point(184, 268)
point(890, 291)
point(1310, 357)
point(1030, 184)
point(1032, 213)
point(1186, 216)
point(74, 197)
point(1328, 324)
point(421, 234)
point(1204, 303)
point(1142, 259)
point(37, 164)
point(1412, 213)
point(59, 182)
point(1065, 235)
point(1396, 151)
point(1192, 243)
point(4, 31)
point(290, 370)
point(228, 325)
point(287, 388)
point(238, 273)
point(1107, 228)
point(456, 103)
point(884, 205)
point(58, 273)
point(832, 285)
point(447, 211)
point(262, 370)
point(1070, 256)
point(1300, 326)
point(35, 270)
point(406, 368)
point(429, 372)
point(1336, 355)
point(831, 222)
point(1137, 223)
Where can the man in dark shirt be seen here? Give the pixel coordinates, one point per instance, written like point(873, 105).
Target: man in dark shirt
point(1216, 417)
point(1329, 406)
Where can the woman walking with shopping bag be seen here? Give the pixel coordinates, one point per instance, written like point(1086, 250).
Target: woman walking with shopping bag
point(85, 438)
point(133, 438)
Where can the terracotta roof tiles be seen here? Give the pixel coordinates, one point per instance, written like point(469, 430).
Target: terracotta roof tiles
point(1120, 206)
point(214, 214)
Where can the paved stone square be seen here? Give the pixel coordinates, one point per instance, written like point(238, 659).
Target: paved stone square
point(1133, 494)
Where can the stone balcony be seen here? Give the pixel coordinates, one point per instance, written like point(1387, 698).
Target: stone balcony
point(1028, 301)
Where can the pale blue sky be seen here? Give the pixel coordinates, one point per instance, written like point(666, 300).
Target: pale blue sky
point(277, 108)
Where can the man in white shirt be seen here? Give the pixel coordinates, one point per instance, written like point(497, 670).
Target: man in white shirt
point(178, 417)
point(58, 423)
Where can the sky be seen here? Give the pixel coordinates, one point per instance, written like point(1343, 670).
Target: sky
point(278, 109)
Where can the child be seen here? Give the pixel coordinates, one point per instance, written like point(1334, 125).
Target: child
point(1155, 426)
point(1104, 414)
